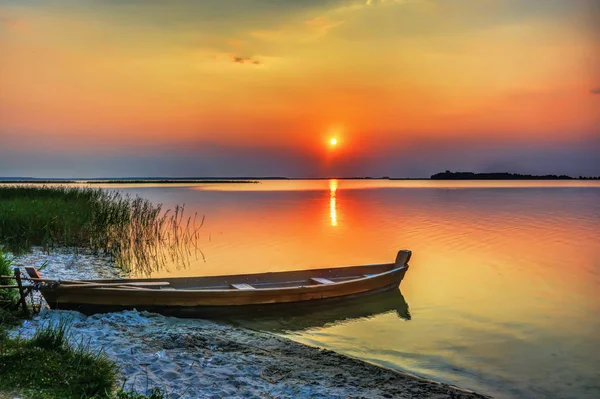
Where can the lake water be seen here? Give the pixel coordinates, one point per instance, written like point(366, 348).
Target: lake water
point(503, 291)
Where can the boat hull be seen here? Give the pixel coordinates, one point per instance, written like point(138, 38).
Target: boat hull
point(225, 311)
point(203, 304)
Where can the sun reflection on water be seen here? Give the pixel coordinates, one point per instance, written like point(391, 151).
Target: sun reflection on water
point(333, 183)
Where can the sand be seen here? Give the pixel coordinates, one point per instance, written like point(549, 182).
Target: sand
point(203, 359)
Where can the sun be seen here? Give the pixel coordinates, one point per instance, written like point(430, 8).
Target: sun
point(333, 142)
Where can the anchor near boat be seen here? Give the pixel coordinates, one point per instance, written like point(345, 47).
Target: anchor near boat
point(219, 295)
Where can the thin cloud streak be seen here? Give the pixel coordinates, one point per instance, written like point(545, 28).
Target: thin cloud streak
point(246, 60)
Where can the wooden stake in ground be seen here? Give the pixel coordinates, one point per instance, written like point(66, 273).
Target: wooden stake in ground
point(22, 291)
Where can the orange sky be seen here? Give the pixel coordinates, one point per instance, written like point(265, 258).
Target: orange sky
point(83, 75)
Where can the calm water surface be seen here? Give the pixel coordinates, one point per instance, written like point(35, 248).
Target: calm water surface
point(503, 291)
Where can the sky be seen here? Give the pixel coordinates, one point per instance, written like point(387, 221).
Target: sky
point(113, 88)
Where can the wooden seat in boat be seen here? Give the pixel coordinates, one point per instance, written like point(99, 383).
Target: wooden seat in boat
point(243, 286)
point(321, 280)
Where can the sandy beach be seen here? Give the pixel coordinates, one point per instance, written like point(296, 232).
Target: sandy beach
point(203, 359)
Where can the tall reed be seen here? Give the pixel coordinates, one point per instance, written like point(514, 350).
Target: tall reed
point(137, 233)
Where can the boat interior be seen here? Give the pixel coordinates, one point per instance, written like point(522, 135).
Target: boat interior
point(247, 282)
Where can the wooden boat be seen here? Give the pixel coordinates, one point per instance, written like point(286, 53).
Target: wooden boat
point(219, 295)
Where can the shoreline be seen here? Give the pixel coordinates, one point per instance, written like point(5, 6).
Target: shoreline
point(190, 358)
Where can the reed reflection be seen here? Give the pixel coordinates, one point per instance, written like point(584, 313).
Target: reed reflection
point(333, 184)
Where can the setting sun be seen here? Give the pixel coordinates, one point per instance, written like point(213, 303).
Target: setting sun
point(333, 142)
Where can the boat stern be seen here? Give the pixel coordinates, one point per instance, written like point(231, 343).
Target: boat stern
point(403, 257)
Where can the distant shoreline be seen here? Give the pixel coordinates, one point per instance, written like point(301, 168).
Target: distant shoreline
point(447, 175)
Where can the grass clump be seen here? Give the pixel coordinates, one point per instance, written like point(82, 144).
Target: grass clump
point(51, 336)
point(46, 366)
point(134, 231)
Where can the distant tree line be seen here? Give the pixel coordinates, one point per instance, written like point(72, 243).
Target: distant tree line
point(447, 175)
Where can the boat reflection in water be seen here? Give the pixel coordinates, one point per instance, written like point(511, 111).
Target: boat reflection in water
point(327, 312)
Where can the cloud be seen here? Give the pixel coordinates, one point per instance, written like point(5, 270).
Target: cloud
point(246, 60)
point(595, 91)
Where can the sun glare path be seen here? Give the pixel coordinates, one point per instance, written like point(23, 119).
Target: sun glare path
point(332, 202)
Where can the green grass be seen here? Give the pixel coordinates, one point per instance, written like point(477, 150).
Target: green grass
point(134, 231)
point(48, 367)
point(52, 336)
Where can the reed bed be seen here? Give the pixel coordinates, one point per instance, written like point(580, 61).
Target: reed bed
point(7, 296)
point(138, 234)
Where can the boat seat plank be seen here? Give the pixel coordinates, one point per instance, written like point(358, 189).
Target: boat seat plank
point(116, 285)
point(321, 280)
point(148, 284)
point(122, 287)
point(243, 286)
